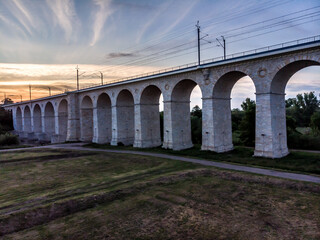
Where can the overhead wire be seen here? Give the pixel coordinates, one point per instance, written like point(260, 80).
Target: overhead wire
point(180, 33)
point(157, 56)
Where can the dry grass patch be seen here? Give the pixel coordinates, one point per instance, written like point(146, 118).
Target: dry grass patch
point(212, 204)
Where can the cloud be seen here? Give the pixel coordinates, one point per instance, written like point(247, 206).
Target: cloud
point(180, 18)
point(120, 54)
point(24, 10)
point(159, 12)
point(100, 18)
point(12, 25)
point(22, 14)
point(65, 15)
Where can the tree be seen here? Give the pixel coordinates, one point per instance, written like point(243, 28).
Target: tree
point(161, 125)
point(7, 101)
point(196, 124)
point(290, 102)
point(302, 107)
point(247, 125)
point(291, 125)
point(6, 123)
point(315, 123)
point(236, 116)
point(196, 111)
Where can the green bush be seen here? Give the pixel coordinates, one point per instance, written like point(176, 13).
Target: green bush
point(8, 139)
point(298, 141)
point(247, 125)
point(6, 123)
point(196, 129)
point(315, 123)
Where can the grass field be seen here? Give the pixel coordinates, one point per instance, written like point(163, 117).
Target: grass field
point(296, 161)
point(64, 194)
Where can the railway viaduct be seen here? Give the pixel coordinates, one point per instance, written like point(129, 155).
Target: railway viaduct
point(128, 111)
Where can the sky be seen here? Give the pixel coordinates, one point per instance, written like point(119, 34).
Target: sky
point(43, 41)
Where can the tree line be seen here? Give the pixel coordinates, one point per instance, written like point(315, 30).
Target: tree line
point(302, 118)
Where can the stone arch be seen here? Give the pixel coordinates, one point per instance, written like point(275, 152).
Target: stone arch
point(63, 119)
point(125, 117)
point(277, 135)
point(27, 119)
point(150, 117)
point(223, 87)
point(182, 90)
point(86, 119)
point(281, 78)
point(221, 136)
point(37, 119)
point(49, 120)
point(180, 133)
point(18, 119)
point(104, 119)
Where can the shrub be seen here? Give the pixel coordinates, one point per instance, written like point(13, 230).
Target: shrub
point(8, 139)
point(247, 125)
point(315, 123)
point(299, 141)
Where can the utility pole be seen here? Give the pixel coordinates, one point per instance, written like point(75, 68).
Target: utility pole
point(49, 91)
point(101, 74)
point(223, 46)
point(77, 78)
point(21, 98)
point(198, 31)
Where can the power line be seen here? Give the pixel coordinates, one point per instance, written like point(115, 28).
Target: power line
point(254, 10)
point(277, 24)
point(134, 61)
point(175, 51)
point(268, 20)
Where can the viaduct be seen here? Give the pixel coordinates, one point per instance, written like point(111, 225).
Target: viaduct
point(128, 111)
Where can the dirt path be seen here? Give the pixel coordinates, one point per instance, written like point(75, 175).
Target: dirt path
point(267, 172)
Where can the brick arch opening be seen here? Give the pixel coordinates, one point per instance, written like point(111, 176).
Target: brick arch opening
point(63, 119)
point(86, 119)
point(37, 119)
point(125, 118)
point(104, 118)
point(49, 121)
point(180, 136)
point(27, 119)
point(150, 117)
point(19, 119)
point(220, 138)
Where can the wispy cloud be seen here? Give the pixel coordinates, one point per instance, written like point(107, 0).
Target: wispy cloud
point(152, 20)
point(12, 25)
point(21, 14)
point(24, 11)
point(100, 18)
point(180, 18)
point(65, 15)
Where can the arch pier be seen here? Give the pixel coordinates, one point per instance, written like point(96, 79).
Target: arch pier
point(147, 118)
point(128, 112)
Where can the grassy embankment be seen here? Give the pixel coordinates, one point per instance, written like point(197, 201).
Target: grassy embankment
point(305, 162)
point(60, 194)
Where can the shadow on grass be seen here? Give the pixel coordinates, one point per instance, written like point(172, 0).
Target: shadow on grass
point(296, 161)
